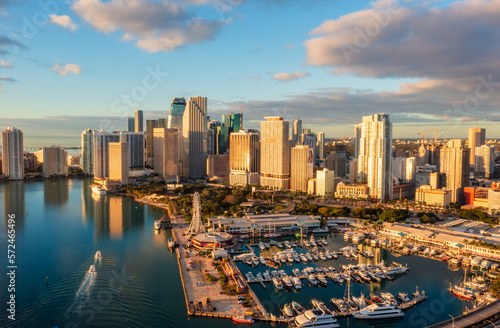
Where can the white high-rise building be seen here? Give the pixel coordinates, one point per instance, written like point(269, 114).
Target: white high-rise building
point(88, 152)
point(244, 158)
point(136, 148)
point(485, 162)
point(12, 154)
point(139, 125)
point(311, 140)
point(325, 182)
point(194, 138)
point(119, 162)
point(302, 166)
point(454, 163)
point(374, 160)
point(274, 153)
point(399, 167)
point(55, 161)
point(321, 146)
point(357, 138)
point(101, 140)
point(410, 168)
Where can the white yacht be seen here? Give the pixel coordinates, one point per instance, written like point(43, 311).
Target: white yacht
point(315, 318)
point(297, 284)
point(98, 255)
point(262, 260)
point(376, 311)
point(98, 190)
point(277, 283)
point(171, 243)
point(92, 269)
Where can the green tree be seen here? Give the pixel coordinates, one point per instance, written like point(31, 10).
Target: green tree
point(394, 215)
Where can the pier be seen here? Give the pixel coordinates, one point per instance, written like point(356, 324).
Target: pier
point(474, 318)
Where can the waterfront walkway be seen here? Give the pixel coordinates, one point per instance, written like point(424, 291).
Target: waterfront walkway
point(472, 319)
point(196, 288)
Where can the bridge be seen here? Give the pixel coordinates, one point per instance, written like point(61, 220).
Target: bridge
point(485, 314)
point(40, 148)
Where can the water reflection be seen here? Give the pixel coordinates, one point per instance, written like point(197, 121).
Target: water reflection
point(56, 192)
point(13, 200)
point(113, 215)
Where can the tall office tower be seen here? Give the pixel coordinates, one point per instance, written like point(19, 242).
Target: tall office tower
point(221, 140)
point(296, 131)
point(374, 160)
point(337, 163)
point(311, 140)
point(244, 158)
point(88, 152)
point(456, 168)
point(12, 154)
point(306, 131)
point(233, 122)
point(194, 138)
point(302, 166)
point(55, 161)
point(101, 140)
point(485, 162)
point(357, 138)
point(274, 153)
point(119, 162)
point(163, 123)
point(150, 126)
point(139, 124)
point(176, 113)
point(136, 143)
point(410, 169)
point(423, 155)
point(130, 124)
point(477, 138)
point(321, 146)
point(166, 153)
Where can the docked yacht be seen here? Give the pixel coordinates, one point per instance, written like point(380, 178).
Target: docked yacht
point(157, 225)
point(277, 283)
point(315, 318)
point(403, 297)
point(262, 260)
point(287, 310)
point(171, 243)
point(297, 308)
point(358, 238)
point(287, 281)
point(98, 190)
point(375, 312)
point(262, 246)
point(297, 284)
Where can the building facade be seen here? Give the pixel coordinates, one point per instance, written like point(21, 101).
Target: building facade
point(484, 166)
point(139, 123)
point(136, 144)
point(325, 182)
point(433, 197)
point(275, 153)
point(88, 152)
point(194, 138)
point(374, 160)
point(302, 166)
point(477, 138)
point(166, 153)
point(454, 164)
point(55, 161)
point(101, 140)
point(244, 158)
point(12, 153)
point(119, 162)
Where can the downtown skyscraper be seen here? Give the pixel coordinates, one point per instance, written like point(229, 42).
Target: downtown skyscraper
point(194, 138)
point(477, 138)
point(244, 158)
point(275, 153)
point(454, 164)
point(12, 154)
point(374, 157)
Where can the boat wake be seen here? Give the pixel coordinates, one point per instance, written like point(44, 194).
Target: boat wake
point(83, 293)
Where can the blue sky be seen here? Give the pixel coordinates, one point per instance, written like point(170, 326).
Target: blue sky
point(420, 63)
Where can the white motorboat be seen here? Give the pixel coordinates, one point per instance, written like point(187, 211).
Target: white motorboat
point(404, 297)
point(297, 284)
point(92, 269)
point(262, 260)
point(287, 310)
point(277, 283)
point(312, 280)
point(262, 246)
point(98, 190)
point(315, 318)
point(266, 275)
point(287, 281)
point(98, 255)
point(376, 312)
point(157, 224)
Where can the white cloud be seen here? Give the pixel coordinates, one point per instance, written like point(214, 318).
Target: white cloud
point(391, 40)
point(156, 26)
point(285, 77)
point(67, 69)
point(6, 63)
point(63, 21)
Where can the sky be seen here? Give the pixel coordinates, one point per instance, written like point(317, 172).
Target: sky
point(66, 66)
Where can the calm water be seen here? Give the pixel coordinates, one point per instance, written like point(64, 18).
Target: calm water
point(60, 225)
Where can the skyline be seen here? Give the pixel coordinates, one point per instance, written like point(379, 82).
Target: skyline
point(255, 56)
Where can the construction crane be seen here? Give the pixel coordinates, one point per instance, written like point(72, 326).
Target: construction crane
point(432, 131)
